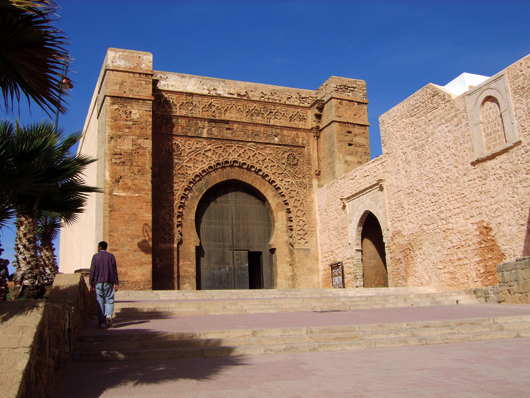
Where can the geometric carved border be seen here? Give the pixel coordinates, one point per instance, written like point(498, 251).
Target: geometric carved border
point(199, 106)
point(188, 188)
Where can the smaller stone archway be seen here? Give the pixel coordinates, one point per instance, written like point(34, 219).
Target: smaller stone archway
point(359, 206)
point(373, 252)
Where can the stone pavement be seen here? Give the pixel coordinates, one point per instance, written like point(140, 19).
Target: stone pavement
point(496, 368)
point(308, 318)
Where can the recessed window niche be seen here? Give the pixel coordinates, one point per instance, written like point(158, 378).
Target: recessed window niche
point(491, 119)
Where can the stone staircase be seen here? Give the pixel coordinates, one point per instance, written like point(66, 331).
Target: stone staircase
point(132, 304)
point(164, 314)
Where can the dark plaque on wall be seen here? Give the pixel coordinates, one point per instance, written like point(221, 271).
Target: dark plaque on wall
point(337, 275)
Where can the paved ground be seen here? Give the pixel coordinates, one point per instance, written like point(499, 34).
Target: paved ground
point(298, 319)
point(498, 368)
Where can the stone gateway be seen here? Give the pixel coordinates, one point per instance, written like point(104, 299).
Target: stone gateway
point(209, 183)
point(217, 184)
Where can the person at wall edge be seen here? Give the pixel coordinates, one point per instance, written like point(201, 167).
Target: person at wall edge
point(104, 281)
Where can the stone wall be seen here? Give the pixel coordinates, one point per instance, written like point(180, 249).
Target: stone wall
point(37, 337)
point(514, 284)
point(118, 133)
point(342, 207)
point(127, 90)
point(79, 241)
point(456, 198)
point(455, 213)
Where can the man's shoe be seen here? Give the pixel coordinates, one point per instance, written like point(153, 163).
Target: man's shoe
point(109, 321)
point(103, 326)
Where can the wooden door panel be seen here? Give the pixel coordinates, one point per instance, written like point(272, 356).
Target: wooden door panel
point(216, 276)
point(241, 269)
point(231, 221)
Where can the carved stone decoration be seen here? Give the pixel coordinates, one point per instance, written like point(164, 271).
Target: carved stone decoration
point(229, 109)
point(167, 138)
point(207, 156)
point(177, 150)
point(291, 159)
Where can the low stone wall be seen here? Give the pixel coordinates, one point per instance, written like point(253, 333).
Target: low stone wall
point(37, 337)
point(514, 284)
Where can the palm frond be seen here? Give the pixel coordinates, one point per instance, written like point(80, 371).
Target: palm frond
point(51, 187)
point(37, 170)
point(48, 225)
point(32, 54)
point(7, 214)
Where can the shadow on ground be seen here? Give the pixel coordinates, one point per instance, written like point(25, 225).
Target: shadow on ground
point(93, 379)
point(11, 309)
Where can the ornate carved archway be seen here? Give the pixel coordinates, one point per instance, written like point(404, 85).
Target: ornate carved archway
point(283, 168)
point(280, 243)
point(282, 173)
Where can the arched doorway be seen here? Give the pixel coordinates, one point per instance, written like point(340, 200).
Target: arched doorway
point(234, 225)
point(375, 272)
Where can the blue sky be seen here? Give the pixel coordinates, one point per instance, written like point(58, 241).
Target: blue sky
point(397, 47)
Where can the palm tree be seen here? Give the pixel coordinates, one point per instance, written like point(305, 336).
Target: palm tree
point(68, 201)
point(50, 179)
point(32, 53)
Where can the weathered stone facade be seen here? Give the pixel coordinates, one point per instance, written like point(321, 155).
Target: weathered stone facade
point(164, 139)
point(451, 190)
point(450, 193)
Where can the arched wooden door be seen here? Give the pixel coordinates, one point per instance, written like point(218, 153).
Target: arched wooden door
point(234, 225)
point(373, 254)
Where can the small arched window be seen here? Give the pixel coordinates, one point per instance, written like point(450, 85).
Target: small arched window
point(491, 124)
point(491, 119)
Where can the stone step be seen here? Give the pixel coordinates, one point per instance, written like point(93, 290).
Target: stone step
point(165, 312)
point(215, 343)
point(134, 295)
point(201, 304)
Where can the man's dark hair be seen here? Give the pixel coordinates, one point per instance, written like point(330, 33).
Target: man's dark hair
point(103, 245)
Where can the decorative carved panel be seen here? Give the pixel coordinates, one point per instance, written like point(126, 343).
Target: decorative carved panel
point(185, 161)
point(197, 135)
point(279, 166)
point(199, 106)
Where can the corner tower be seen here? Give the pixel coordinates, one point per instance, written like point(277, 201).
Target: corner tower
point(341, 127)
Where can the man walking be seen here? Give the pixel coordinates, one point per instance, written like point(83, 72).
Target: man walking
point(104, 280)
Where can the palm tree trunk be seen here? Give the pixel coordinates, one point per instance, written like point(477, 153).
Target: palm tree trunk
point(28, 275)
point(48, 260)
